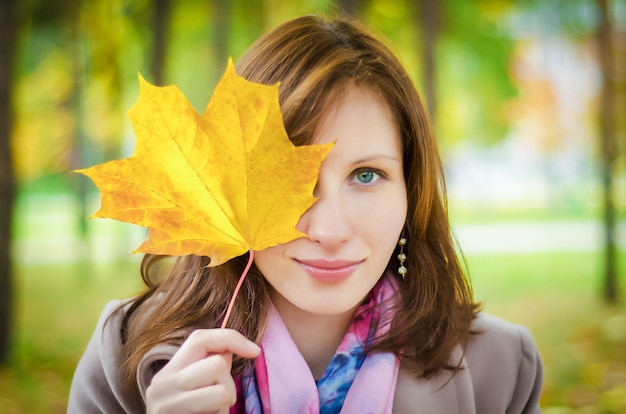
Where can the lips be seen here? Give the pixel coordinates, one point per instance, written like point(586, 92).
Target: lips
point(329, 271)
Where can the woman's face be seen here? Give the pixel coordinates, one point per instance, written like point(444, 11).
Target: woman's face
point(354, 226)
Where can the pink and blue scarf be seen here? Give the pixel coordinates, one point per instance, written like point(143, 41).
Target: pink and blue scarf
point(281, 381)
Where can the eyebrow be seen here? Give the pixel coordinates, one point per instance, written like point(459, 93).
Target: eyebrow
point(375, 157)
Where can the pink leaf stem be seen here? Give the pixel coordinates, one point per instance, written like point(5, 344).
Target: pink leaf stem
point(239, 283)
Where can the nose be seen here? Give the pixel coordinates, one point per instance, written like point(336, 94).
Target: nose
point(327, 222)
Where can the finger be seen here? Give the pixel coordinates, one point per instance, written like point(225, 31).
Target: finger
point(212, 370)
point(214, 399)
point(204, 342)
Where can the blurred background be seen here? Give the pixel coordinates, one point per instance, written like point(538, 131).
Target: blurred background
point(528, 100)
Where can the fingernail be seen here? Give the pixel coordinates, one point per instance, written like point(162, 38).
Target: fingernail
point(253, 345)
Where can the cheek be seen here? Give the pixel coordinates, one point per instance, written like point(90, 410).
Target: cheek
point(269, 261)
point(384, 224)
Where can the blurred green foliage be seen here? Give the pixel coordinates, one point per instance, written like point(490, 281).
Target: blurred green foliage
point(496, 86)
point(78, 64)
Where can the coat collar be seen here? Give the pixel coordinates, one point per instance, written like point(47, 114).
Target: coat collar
point(442, 393)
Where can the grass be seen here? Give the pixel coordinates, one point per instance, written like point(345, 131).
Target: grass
point(582, 341)
point(57, 308)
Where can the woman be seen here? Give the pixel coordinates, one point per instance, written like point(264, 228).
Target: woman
point(370, 312)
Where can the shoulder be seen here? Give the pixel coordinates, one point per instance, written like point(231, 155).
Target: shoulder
point(98, 382)
point(500, 372)
point(504, 365)
point(498, 338)
point(499, 341)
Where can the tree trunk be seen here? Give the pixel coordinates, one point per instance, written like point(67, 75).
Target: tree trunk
point(352, 8)
point(8, 33)
point(347, 6)
point(162, 13)
point(609, 150)
point(429, 22)
point(80, 144)
point(220, 34)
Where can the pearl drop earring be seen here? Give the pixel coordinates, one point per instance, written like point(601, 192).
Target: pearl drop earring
point(402, 257)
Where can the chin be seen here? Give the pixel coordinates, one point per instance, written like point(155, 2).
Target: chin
point(327, 305)
point(331, 309)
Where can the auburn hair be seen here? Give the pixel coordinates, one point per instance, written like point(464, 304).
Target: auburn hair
point(311, 57)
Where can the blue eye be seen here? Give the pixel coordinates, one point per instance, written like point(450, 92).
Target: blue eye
point(366, 176)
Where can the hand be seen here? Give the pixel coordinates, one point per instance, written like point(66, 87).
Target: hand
point(198, 379)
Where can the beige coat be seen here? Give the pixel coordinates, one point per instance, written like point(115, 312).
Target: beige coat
point(502, 373)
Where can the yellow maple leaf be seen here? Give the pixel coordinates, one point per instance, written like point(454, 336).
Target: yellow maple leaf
point(217, 184)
